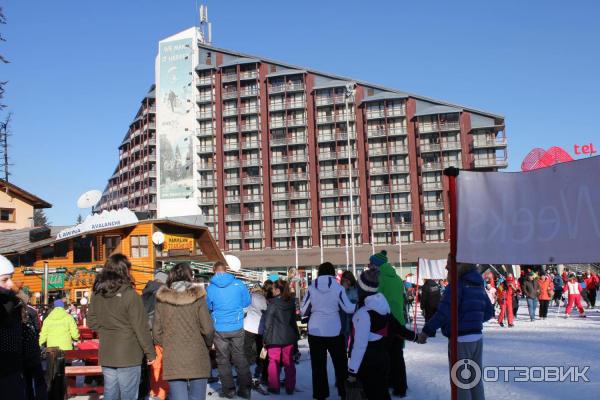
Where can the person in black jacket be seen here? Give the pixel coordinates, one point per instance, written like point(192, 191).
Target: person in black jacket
point(430, 298)
point(280, 335)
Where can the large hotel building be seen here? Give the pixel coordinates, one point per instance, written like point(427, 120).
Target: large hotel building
point(270, 153)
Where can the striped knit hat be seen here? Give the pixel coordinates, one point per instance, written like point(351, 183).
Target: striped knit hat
point(368, 281)
point(379, 259)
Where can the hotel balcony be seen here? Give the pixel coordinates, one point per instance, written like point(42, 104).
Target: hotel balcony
point(489, 143)
point(230, 112)
point(298, 195)
point(248, 75)
point(380, 208)
point(249, 127)
point(230, 77)
point(233, 235)
point(430, 148)
point(328, 193)
point(401, 207)
point(231, 146)
point(382, 228)
point(204, 98)
point(206, 183)
point(252, 180)
point(250, 144)
point(250, 110)
point(256, 216)
point(253, 198)
point(491, 163)
point(294, 87)
point(303, 213)
point(251, 162)
point(400, 188)
point(249, 92)
point(280, 214)
point(232, 181)
point(230, 129)
point(435, 127)
point(204, 115)
point(232, 199)
point(435, 225)
point(329, 100)
point(231, 164)
point(204, 81)
point(204, 132)
point(433, 205)
point(206, 167)
point(233, 217)
point(279, 196)
point(206, 149)
point(432, 186)
point(298, 176)
point(451, 145)
point(206, 201)
point(253, 234)
point(435, 166)
point(229, 94)
point(281, 233)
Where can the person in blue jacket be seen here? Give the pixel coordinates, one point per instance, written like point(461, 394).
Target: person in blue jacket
point(474, 308)
point(227, 297)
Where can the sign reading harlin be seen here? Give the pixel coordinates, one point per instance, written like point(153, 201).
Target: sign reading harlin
point(177, 119)
point(546, 216)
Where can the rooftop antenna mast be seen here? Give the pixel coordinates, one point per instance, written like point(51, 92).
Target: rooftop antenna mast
point(205, 26)
point(4, 160)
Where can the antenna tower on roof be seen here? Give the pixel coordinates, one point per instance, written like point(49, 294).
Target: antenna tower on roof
point(205, 26)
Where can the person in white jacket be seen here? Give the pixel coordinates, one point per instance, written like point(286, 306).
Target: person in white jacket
point(369, 358)
point(324, 300)
point(253, 342)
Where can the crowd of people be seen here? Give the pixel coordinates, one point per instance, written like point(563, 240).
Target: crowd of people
point(181, 329)
point(541, 288)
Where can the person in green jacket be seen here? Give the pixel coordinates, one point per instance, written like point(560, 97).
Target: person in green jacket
point(392, 288)
point(59, 329)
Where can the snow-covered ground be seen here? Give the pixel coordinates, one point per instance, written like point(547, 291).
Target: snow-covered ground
point(555, 341)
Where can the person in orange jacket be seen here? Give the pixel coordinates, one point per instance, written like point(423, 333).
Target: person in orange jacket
point(546, 294)
point(573, 289)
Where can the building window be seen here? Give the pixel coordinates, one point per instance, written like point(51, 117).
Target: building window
point(111, 243)
point(7, 215)
point(82, 250)
point(61, 249)
point(139, 246)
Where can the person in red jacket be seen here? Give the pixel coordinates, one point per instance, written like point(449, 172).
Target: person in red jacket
point(591, 284)
point(504, 297)
point(573, 290)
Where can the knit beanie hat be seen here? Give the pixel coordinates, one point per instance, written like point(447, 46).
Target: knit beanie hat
point(368, 281)
point(379, 259)
point(161, 277)
point(6, 267)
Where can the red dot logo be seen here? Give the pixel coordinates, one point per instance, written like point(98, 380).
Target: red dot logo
point(540, 158)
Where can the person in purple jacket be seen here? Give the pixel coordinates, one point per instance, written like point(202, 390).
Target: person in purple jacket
point(474, 308)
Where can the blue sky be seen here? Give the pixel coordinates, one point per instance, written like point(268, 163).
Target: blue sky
point(79, 68)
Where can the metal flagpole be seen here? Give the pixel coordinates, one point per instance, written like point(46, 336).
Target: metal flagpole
point(45, 283)
point(321, 244)
point(372, 242)
point(347, 255)
point(348, 94)
point(296, 243)
point(400, 249)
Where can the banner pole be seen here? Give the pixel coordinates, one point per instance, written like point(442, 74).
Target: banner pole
point(416, 296)
point(452, 174)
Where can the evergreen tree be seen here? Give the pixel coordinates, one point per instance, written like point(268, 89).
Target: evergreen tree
point(40, 218)
point(79, 219)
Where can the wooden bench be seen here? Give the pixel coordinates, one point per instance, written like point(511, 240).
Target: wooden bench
point(72, 372)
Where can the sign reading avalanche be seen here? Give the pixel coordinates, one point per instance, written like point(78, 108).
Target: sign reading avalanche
point(547, 216)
